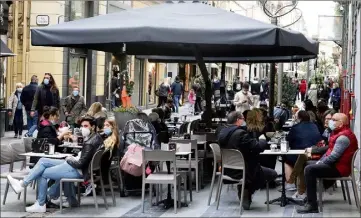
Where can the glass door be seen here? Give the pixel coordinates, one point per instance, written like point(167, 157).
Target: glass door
point(76, 73)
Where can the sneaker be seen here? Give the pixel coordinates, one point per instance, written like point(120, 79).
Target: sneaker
point(308, 208)
point(89, 189)
point(288, 187)
point(36, 208)
point(15, 136)
point(15, 184)
point(298, 197)
point(20, 136)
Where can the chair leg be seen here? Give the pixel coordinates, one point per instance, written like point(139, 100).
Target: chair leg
point(190, 185)
point(150, 195)
point(217, 189)
point(61, 196)
point(320, 189)
point(197, 179)
point(219, 192)
point(212, 185)
point(348, 192)
point(267, 195)
point(343, 190)
point(175, 184)
point(111, 188)
point(185, 187)
point(6, 192)
point(103, 193)
point(242, 194)
point(79, 196)
point(119, 179)
point(355, 193)
point(19, 195)
point(143, 193)
point(94, 196)
point(179, 192)
point(25, 190)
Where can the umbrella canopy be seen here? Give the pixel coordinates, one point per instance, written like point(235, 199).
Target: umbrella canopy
point(175, 30)
point(4, 50)
point(243, 60)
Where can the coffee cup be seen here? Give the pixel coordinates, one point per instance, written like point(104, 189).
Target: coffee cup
point(273, 147)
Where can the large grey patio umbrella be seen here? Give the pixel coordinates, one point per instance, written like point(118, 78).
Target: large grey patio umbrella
point(184, 29)
point(241, 60)
point(4, 50)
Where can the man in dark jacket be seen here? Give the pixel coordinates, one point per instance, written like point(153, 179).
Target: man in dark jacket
point(235, 136)
point(27, 98)
point(177, 90)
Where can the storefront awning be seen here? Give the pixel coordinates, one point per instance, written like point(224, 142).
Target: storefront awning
point(4, 50)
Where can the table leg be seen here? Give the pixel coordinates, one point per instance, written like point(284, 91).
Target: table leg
point(284, 200)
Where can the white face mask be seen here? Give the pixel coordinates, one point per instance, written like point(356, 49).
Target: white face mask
point(19, 89)
point(85, 132)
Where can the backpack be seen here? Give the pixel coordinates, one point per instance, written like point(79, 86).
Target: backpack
point(132, 161)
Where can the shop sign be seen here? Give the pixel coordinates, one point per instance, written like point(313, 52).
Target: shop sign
point(42, 20)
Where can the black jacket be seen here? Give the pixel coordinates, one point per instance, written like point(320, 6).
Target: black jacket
point(177, 88)
point(234, 137)
point(90, 146)
point(40, 98)
point(27, 95)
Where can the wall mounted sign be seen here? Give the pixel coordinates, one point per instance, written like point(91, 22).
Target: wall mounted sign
point(42, 20)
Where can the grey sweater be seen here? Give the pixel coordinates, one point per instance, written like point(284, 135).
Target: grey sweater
point(341, 144)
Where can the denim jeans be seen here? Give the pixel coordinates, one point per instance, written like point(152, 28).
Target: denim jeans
point(52, 169)
point(176, 102)
point(32, 123)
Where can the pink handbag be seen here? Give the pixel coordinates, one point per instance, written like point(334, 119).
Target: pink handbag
point(132, 161)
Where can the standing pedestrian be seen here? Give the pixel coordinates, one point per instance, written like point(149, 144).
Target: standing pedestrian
point(177, 90)
point(27, 98)
point(243, 99)
point(17, 111)
point(47, 94)
point(163, 92)
point(336, 97)
point(198, 91)
point(303, 88)
point(74, 107)
point(256, 90)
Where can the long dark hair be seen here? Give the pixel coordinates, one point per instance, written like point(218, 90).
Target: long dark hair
point(52, 82)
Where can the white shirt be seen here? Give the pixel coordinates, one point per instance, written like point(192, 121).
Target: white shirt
point(240, 101)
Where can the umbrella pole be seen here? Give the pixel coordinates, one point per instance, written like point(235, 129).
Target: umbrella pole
point(272, 90)
point(208, 91)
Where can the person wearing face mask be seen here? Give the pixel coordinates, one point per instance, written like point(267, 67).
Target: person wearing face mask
point(71, 167)
point(336, 162)
point(17, 111)
point(47, 125)
point(47, 94)
point(243, 99)
point(74, 107)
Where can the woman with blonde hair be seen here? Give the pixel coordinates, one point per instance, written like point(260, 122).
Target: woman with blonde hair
point(255, 122)
point(17, 111)
point(313, 94)
point(96, 111)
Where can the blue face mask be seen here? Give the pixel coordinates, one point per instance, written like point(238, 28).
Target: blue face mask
point(107, 131)
point(46, 81)
point(75, 93)
point(331, 125)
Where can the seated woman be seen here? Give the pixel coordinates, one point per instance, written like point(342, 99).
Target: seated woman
point(312, 153)
point(301, 136)
point(96, 111)
point(71, 167)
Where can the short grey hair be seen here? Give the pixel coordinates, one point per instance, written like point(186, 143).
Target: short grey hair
point(153, 117)
point(234, 116)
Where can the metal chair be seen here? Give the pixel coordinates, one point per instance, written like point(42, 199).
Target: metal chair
point(232, 159)
point(160, 178)
point(217, 159)
point(13, 157)
point(344, 180)
point(195, 163)
point(115, 166)
point(94, 167)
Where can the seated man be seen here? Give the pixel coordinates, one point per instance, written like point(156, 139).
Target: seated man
point(235, 136)
point(71, 167)
point(168, 109)
point(336, 162)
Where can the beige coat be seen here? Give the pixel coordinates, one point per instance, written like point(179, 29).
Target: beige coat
point(12, 104)
point(243, 102)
